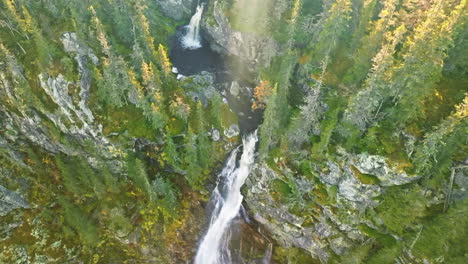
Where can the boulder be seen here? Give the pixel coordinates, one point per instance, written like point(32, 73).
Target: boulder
point(377, 166)
point(353, 190)
point(348, 186)
point(232, 131)
point(201, 87)
point(214, 134)
point(235, 89)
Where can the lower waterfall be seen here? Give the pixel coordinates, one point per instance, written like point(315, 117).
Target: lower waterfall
point(227, 200)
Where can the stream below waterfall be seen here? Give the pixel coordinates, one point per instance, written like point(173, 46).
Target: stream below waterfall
point(227, 201)
point(230, 235)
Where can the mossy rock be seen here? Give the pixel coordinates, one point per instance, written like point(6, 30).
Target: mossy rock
point(280, 190)
point(364, 178)
point(227, 117)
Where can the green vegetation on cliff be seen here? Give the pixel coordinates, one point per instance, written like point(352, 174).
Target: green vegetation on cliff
point(377, 79)
point(108, 148)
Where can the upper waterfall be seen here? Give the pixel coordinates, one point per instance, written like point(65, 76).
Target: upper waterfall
point(227, 200)
point(191, 40)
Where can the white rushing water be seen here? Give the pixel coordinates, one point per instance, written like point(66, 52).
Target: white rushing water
point(227, 200)
point(192, 40)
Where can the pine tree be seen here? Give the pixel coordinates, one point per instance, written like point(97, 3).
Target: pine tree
point(371, 42)
point(365, 105)
point(170, 154)
point(193, 171)
point(443, 141)
point(423, 60)
point(335, 24)
point(308, 120)
point(164, 61)
point(270, 126)
point(144, 26)
point(117, 85)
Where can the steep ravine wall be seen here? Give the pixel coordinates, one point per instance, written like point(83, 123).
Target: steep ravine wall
point(321, 212)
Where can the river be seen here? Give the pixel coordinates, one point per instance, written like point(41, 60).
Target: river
point(229, 232)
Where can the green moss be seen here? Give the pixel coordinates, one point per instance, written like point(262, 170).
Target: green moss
point(128, 119)
point(364, 178)
point(293, 256)
point(444, 235)
point(320, 193)
point(81, 223)
point(280, 190)
point(227, 117)
point(385, 239)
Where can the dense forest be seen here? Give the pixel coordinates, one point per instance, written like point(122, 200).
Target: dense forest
point(109, 154)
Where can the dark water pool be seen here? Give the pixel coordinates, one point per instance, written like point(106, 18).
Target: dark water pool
point(189, 62)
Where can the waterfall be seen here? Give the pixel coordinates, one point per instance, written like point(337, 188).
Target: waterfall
point(227, 200)
point(191, 40)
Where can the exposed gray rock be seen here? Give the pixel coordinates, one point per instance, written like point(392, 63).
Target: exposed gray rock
point(232, 131)
point(203, 79)
point(252, 49)
point(353, 190)
point(31, 127)
point(348, 186)
point(85, 85)
point(461, 181)
point(286, 228)
point(14, 155)
point(80, 118)
point(20, 254)
point(333, 175)
point(10, 200)
point(201, 87)
point(72, 44)
point(57, 89)
point(214, 133)
point(6, 229)
point(176, 9)
point(377, 166)
point(323, 230)
point(332, 231)
point(339, 245)
point(180, 77)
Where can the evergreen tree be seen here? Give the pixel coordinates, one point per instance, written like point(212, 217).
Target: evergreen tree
point(270, 126)
point(441, 143)
point(372, 41)
point(193, 171)
point(334, 25)
point(170, 154)
point(423, 60)
point(365, 105)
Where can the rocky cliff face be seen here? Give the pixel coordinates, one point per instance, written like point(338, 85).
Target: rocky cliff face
point(252, 49)
point(337, 198)
point(176, 9)
point(70, 163)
